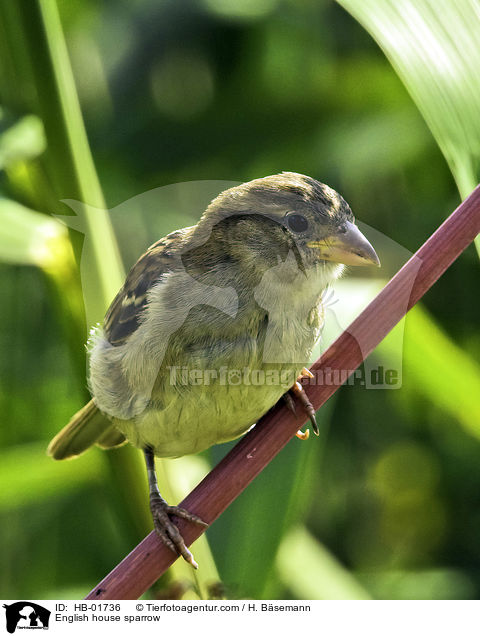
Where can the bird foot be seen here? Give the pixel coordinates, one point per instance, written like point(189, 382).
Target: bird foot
point(298, 390)
point(168, 531)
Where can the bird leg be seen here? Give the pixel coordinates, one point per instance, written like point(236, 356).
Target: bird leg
point(298, 390)
point(161, 512)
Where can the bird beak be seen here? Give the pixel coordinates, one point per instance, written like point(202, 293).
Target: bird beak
point(349, 247)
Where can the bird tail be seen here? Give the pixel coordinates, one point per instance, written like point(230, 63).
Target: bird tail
point(88, 426)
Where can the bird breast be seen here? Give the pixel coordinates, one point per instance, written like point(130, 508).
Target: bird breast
point(199, 373)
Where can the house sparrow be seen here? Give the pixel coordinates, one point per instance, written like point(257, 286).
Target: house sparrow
point(213, 324)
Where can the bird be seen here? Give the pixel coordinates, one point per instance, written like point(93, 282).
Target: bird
point(215, 324)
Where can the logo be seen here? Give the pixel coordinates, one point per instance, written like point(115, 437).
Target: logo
point(26, 615)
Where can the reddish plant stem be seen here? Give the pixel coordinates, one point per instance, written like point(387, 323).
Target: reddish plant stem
point(150, 558)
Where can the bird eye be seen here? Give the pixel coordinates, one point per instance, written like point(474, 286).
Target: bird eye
point(297, 222)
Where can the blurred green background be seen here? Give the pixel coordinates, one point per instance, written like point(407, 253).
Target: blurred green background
point(386, 503)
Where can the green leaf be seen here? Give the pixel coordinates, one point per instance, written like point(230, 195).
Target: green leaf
point(433, 46)
point(22, 141)
point(435, 584)
point(308, 569)
point(22, 467)
point(439, 368)
point(28, 237)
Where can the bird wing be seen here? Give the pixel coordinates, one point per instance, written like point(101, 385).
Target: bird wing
point(123, 315)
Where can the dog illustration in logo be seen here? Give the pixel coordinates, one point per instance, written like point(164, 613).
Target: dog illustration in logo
point(35, 615)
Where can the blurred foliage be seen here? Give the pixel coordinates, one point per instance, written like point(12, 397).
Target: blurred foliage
point(386, 503)
point(437, 56)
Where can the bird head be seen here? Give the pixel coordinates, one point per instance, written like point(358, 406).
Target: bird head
point(259, 220)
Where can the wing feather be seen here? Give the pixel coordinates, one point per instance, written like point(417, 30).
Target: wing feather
point(123, 315)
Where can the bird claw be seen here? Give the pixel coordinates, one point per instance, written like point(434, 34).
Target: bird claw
point(168, 531)
point(290, 402)
point(305, 373)
point(298, 390)
point(303, 435)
